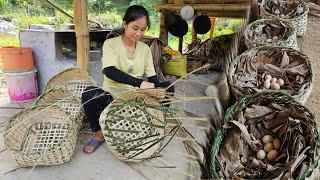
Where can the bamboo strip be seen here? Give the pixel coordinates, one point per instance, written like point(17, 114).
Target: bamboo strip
point(178, 169)
point(190, 118)
point(313, 6)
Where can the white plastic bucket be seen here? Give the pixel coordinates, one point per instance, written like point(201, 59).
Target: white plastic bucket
point(22, 86)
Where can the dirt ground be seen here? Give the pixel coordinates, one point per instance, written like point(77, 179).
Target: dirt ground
point(309, 44)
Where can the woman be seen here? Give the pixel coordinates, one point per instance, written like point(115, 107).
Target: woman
point(125, 60)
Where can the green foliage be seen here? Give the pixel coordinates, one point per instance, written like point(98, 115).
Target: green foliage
point(24, 21)
point(98, 6)
point(9, 40)
point(108, 19)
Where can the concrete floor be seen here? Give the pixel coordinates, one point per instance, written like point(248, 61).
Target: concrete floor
point(103, 164)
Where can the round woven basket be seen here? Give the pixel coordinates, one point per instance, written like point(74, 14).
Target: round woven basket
point(41, 136)
point(290, 41)
point(300, 96)
point(134, 126)
point(74, 80)
point(65, 100)
point(298, 22)
point(227, 132)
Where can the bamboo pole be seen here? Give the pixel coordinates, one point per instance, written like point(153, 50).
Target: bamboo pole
point(194, 35)
point(82, 33)
point(205, 7)
point(65, 13)
point(213, 26)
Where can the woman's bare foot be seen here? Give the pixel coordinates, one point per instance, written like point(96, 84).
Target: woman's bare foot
point(94, 143)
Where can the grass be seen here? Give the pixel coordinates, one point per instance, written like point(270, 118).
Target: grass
point(9, 40)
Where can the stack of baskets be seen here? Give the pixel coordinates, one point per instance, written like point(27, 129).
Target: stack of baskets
point(73, 80)
point(286, 34)
point(234, 153)
point(299, 21)
point(247, 72)
point(47, 133)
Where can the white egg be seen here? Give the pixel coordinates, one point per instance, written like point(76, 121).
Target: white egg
point(280, 82)
point(273, 80)
point(267, 139)
point(261, 154)
point(275, 86)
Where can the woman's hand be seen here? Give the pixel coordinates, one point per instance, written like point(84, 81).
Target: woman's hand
point(146, 85)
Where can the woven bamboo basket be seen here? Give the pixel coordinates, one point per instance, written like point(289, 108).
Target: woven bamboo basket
point(65, 100)
point(227, 131)
point(74, 80)
point(290, 41)
point(300, 96)
point(134, 126)
point(41, 136)
point(298, 22)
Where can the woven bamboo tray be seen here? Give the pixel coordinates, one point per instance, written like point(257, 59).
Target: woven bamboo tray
point(65, 100)
point(290, 41)
point(300, 96)
point(74, 80)
point(299, 22)
point(134, 126)
point(281, 100)
point(41, 136)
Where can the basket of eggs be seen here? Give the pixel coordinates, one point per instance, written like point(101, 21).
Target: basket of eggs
point(273, 32)
point(271, 68)
point(267, 135)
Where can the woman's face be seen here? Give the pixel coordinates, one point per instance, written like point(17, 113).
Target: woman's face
point(135, 29)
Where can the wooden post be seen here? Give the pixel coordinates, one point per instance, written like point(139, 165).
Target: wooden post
point(82, 33)
point(213, 26)
point(163, 30)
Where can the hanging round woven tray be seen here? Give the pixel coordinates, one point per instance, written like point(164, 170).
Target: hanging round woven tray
point(65, 100)
point(298, 22)
point(41, 136)
point(74, 80)
point(290, 39)
point(256, 57)
point(134, 126)
point(243, 134)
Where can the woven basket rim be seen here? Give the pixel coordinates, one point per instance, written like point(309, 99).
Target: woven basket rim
point(69, 70)
point(262, 7)
point(244, 103)
point(290, 25)
point(262, 48)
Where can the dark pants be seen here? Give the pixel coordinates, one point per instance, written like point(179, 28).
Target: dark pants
point(95, 100)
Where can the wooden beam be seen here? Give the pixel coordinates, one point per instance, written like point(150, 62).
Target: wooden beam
point(82, 33)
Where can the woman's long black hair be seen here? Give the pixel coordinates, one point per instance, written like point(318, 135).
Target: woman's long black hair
point(135, 12)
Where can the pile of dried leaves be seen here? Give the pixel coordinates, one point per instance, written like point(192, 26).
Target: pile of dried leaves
point(270, 32)
point(285, 9)
point(214, 51)
point(237, 156)
point(280, 63)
